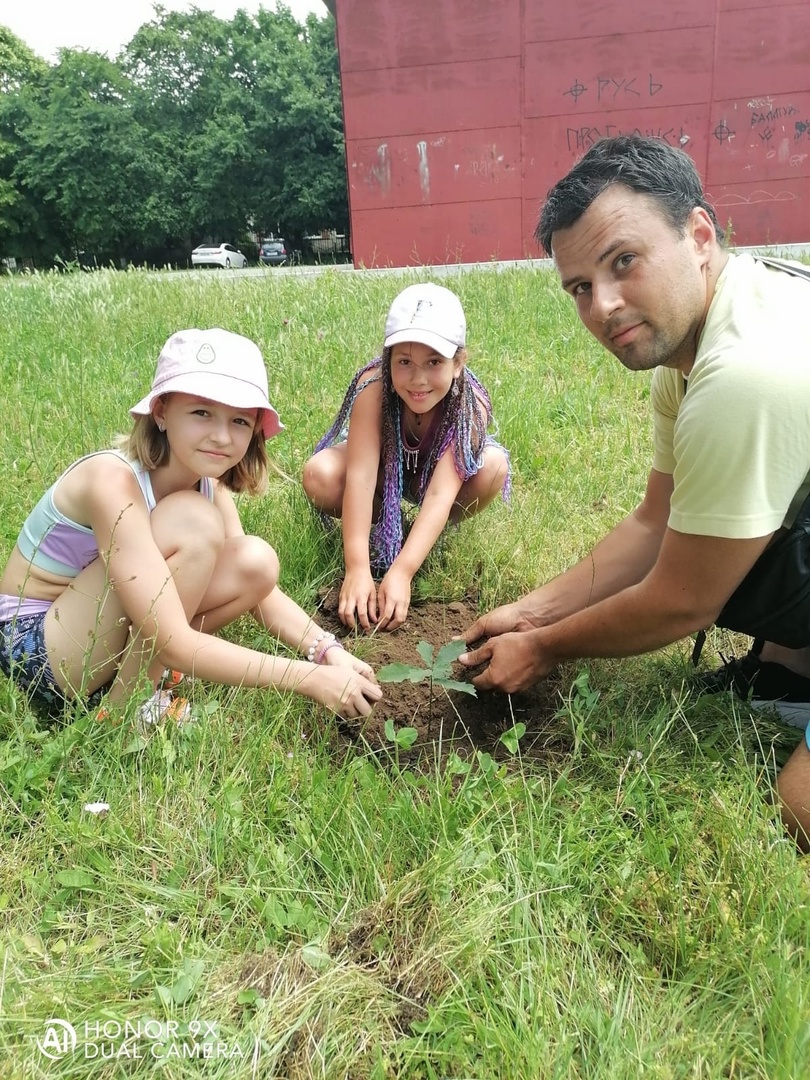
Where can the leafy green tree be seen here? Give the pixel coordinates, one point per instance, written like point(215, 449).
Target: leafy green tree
point(86, 156)
point(19, 67)
point(254, 115)
point(203, 129)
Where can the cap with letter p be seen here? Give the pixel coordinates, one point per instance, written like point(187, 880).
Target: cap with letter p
point(429, 314)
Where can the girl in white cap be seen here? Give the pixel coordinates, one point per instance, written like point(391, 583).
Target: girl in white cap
point(135, 557)
point(413, 424)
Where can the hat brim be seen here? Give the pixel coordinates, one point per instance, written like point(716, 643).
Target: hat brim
point(445, 348)
point(223, 390)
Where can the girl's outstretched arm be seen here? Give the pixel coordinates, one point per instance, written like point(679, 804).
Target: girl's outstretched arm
point(358, 596)
point(281, 615)
point(145, 585)
point(394, 595)
point(289, 622)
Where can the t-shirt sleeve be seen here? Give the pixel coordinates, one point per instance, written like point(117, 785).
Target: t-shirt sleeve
point(740, 447)
point(666, 393)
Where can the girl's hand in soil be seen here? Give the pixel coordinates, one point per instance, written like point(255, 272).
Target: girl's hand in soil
point(394, 599)
point(343, 658)
point(515, 661)
point(341, 689)
point(358, 599)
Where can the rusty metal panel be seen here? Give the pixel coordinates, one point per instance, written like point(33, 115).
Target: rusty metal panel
point(764, 213)
point(448, 233)
point(606, 18)
point(387, 34)
point(460, 115)
point(735, 5)
point(755, 60)
point(637, 71)
point(459, 98)
point(552, 144)
point(765, 138)
point(447, 167)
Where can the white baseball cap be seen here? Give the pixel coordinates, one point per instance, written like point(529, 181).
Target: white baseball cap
point(217, 365)
point(429, 314)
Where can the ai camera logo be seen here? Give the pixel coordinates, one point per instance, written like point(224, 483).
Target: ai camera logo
point(59, 1039)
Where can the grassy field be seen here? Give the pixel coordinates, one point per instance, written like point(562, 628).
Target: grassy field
point(264, 898)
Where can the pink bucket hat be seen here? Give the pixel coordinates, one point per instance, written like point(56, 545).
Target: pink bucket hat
point(217, 365)
point(429, 314)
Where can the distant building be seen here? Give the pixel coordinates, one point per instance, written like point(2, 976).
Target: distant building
point(461, 114)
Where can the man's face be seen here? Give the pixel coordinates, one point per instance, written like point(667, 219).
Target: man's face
point(640, 288)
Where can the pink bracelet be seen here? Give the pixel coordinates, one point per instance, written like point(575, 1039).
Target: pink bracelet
point(320, 656)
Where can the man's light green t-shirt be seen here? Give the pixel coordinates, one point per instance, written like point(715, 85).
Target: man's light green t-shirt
point(736, 434)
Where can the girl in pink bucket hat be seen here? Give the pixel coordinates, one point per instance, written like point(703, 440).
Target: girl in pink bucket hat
point(135, 557)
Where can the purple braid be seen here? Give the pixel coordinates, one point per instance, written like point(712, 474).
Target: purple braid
point(336, 431)
point(386, 536)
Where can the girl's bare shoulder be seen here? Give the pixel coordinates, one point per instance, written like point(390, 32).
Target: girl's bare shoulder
point(369, 396)
point(371, 382)
point(100, 478)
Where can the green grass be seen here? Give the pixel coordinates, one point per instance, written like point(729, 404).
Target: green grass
point(629, 911)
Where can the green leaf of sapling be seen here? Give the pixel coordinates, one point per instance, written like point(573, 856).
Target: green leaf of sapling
point(512, 737)
point(401, 673)
point(454, 684)
point(425, 650)
point(406, 737)
point(447, 656)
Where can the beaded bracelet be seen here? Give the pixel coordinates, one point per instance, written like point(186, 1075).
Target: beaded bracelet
point(318, 639)
point(324, 649)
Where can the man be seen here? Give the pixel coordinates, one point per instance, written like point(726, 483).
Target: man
point(639, 250)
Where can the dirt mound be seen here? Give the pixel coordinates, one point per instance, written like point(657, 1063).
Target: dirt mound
point(449, 719)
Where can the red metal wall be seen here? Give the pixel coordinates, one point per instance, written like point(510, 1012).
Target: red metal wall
point(461, 114)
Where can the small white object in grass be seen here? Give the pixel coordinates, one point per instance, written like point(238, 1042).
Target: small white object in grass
point(96, 807)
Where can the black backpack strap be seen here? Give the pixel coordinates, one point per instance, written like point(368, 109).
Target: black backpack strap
point(794, 268)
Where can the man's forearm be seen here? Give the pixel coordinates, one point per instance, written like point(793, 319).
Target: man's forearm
point(632, 622)
point(623, 558)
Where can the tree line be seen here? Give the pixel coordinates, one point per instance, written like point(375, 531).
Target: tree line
point(202, 129)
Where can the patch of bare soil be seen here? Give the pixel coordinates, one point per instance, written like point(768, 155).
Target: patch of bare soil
point(449, 719)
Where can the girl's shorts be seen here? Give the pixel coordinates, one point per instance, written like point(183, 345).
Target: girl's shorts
point(24, 658)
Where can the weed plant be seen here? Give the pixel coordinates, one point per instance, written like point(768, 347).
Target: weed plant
point(305, 907)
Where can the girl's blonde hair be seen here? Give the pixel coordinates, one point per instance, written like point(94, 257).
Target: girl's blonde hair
point(149, 446)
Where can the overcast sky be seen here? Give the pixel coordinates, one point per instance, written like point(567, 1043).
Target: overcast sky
point(106, 25)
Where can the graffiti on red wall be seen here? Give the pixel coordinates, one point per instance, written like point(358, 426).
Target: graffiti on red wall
point(461, 115)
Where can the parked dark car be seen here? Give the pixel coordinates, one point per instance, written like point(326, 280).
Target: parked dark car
point(273, 252)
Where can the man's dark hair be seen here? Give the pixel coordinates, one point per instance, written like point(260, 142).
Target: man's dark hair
point(648, 166)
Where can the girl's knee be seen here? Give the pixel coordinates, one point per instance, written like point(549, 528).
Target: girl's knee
point(487, 483)
point(323, 479)
point(256, 563)
point(495, 468)
point(186, 522)
point(313, 477)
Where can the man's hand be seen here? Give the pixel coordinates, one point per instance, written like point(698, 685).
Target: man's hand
point(501, 620)
point(515, 661)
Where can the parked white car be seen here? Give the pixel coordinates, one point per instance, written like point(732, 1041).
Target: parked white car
point(224, 255)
